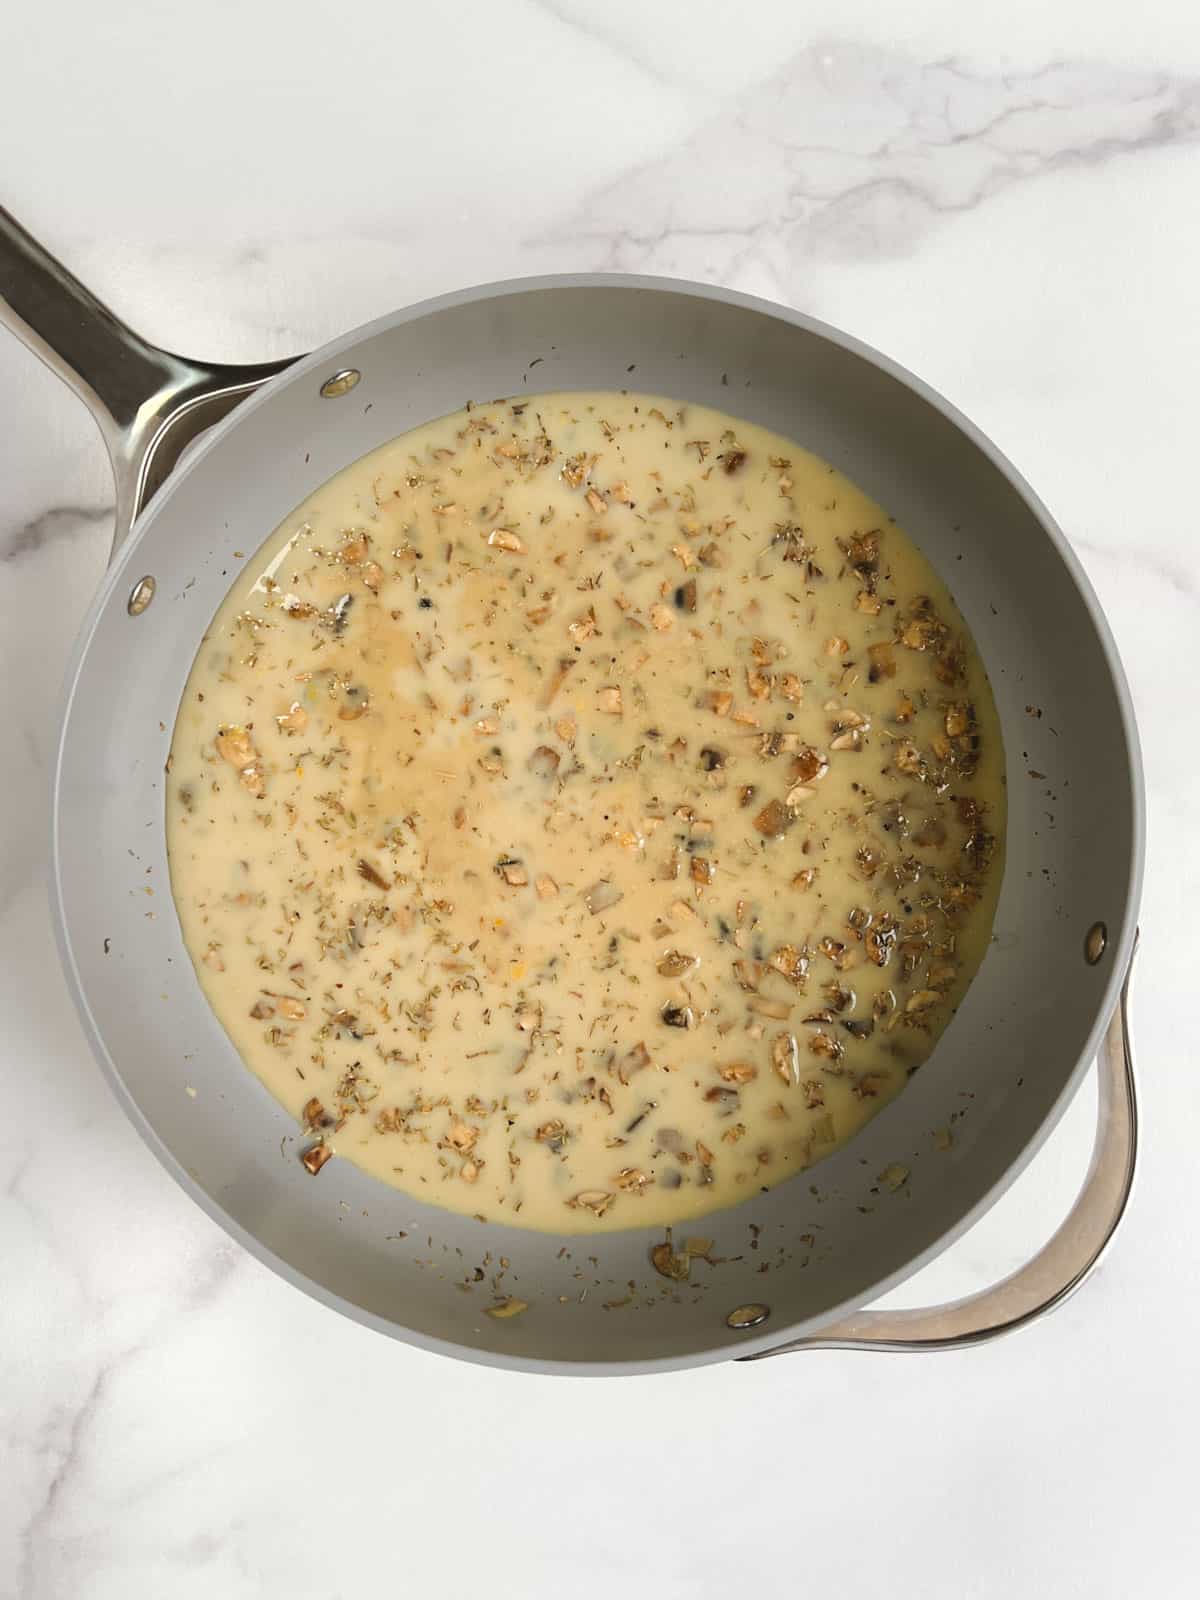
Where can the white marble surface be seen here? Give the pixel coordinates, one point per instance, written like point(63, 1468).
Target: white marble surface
point(1004, 198)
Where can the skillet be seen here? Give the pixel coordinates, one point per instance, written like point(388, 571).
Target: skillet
point(254, 441)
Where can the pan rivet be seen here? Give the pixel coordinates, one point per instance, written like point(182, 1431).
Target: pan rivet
point(1095, 943)
point(747, 1316)
point(140, 596)
point(341, 383)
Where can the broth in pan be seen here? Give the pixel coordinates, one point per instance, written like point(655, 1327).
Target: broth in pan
point(586, 811)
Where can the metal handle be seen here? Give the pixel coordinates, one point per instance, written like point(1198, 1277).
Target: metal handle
point(1056, 1271)
point(147, 403)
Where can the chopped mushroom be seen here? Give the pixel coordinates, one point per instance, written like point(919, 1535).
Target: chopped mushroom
point(633, 1180)
point(774, 819)
point(785, 1058)
point(235, 746)
point(674, 963)
point(315, 1157)
point(825, 1045)
point(511, 1307)
point(668, 1264)
point(678, 1016)
point(792, 963)
point(765, 1006)
point(503, 539)
point(602, 896)
point(543, 763)
point(883, 662)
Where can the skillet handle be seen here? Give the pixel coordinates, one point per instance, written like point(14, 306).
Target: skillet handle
point(147, 403)
point(1053, 1275)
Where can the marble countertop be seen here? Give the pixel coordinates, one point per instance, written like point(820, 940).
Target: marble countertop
point(1003, 198)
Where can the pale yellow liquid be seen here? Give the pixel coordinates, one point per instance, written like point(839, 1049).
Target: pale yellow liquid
point(469, 787)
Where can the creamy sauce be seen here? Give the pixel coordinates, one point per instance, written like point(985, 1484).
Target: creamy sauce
point(585, 812)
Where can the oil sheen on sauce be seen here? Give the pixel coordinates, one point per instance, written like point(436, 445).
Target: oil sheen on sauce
point(585, 811)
